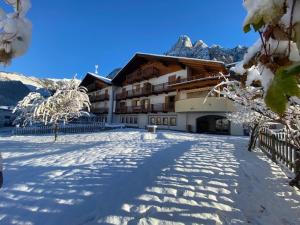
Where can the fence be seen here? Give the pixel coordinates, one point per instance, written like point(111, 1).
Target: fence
point(279, 149)
point(70, 128)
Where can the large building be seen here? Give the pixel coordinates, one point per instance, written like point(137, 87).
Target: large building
point(165, 91)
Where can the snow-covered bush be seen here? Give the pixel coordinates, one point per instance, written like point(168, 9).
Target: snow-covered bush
point(69, 102)
point(25, 109)
point(15, 30)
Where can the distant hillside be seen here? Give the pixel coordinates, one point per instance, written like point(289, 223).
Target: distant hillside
point(14, 87)
point(185, 48)
point(11, 92)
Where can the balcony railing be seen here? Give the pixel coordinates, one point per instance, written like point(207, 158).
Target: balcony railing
point(99, 98)
point(145, 91)
point(153, 108)
point(197, 78)
point(99, 110)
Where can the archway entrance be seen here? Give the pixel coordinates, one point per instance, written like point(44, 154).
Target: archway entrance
point(213, 125)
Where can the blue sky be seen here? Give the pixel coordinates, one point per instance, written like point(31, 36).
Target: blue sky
point(73, 36)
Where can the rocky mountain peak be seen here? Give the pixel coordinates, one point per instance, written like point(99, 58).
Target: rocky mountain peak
point(200, 43)
point(200, 50)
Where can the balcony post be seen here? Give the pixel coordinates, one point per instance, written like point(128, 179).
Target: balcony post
point(110, 105)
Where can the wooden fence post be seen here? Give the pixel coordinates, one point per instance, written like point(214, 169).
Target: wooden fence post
point(273, 147)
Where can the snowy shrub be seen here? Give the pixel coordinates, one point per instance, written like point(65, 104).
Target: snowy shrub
point(69, 102)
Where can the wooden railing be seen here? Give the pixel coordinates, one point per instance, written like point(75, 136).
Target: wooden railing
point(145, 91)
point(99, 110)
point(180, 80)
point(153, 108)
point(279, 149)
point(98, 98)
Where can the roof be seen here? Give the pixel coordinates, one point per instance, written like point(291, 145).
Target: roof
point(90, 77)
point(143, 58)
point(6, 108)
point(104, 79)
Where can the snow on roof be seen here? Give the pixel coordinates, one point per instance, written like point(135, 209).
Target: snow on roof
point(141, 54)
point(6, 108)
point(104, 79)
point(178, 57)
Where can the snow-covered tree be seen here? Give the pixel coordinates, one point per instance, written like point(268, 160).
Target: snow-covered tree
point(15, 30)
point(25, 109)
point(66, 104)
point(69, 102)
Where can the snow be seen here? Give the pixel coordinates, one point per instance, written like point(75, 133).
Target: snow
point(31, 82)
point(130, 176)
point(253, 75)
point(104, 79)
point(266, 78)
point(252, 51)
point(15, 31)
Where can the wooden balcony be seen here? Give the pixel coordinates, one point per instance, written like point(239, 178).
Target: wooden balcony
point(162, 88)
point(153, 108)
point(99, 110)
point(146, 91)
point(121, 96)
point(197, 81)
point(99, 98)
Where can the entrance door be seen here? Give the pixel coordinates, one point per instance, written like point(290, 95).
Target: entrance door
point(213, 125)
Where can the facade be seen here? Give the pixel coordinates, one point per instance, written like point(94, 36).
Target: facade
point(165, 91)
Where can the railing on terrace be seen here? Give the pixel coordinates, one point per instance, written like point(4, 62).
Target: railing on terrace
point(153, 108)
point(279, 149)
point(69, 128)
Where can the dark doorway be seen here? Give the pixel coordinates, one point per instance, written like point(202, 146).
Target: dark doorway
point(213, 125)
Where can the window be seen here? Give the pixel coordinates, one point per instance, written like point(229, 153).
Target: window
point(172, 79)
point(135, 121)
point(131, 120)
point(152, 120)
point(127, 119)
point(173, 121)
point(158, 120)
point(165, 121)
point(137, 87)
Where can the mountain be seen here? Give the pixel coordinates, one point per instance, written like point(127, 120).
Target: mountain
point(113, 73)
point(14, 87)
point(9, 97)
point(185, 48)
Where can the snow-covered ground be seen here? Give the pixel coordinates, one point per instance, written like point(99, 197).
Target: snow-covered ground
point(132, 177)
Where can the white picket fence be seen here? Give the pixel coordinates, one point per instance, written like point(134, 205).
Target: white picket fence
point(67, 129)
